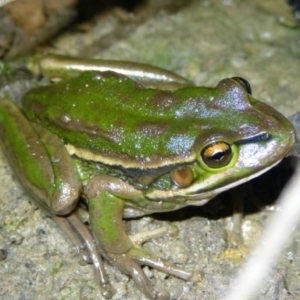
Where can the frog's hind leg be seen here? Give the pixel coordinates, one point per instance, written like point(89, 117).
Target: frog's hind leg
point(46, 170)
point(80, 235)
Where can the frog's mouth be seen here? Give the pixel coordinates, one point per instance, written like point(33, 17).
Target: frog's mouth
point(197, 198)
point(182, 199)
point(192, 196)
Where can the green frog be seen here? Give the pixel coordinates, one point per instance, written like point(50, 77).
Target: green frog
point(122, 140)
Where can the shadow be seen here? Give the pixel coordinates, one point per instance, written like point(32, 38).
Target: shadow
point(90, 8)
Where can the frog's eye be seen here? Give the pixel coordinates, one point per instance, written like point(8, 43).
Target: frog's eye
point(217, 155)
point(244, 83)
point(183, 176)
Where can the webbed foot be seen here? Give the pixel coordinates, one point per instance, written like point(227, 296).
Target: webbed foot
point(126, 254)
point(130, 263)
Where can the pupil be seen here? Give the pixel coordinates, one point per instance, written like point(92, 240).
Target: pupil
point(218, 156)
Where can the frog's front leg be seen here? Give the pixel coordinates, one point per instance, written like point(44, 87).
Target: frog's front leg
point(46, 170)
point(105, 197)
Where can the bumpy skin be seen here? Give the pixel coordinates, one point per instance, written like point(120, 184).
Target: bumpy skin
point(163, 150)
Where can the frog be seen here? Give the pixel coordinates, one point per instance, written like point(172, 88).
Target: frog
point(115, 140)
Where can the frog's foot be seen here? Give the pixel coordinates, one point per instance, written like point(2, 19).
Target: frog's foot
point(141, 237)
point(82, 237)
point(130, 263)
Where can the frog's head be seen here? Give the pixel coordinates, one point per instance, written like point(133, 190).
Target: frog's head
point(240, 139)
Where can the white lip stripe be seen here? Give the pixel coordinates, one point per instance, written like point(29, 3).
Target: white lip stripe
point(191, 196)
